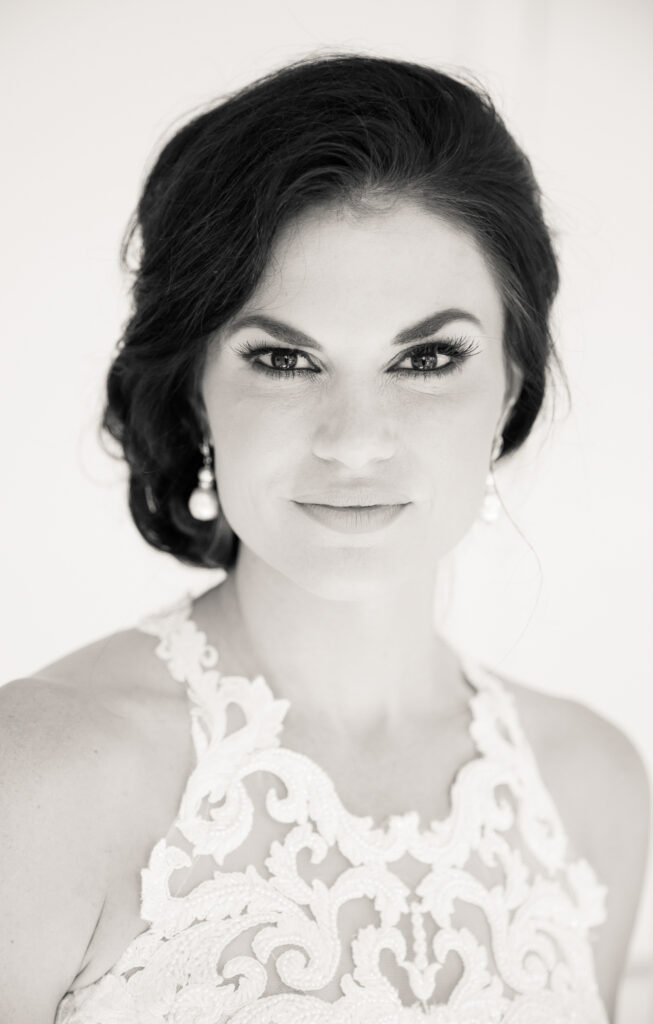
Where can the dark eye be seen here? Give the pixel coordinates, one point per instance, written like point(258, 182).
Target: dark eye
point(431, 360)
point(438, 358)
point(283, 359)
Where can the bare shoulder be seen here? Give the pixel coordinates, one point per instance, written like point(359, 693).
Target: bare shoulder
point(113, 688)
point(601, 787)
point(120, 667)
point(121, 679)
point(126, 706)
point(592, 764)
point(57, 754)
point(80, 745)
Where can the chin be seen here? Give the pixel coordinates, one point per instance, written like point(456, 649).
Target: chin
point(349, 573)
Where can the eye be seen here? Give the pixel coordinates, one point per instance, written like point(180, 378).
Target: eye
point(438, 358)
point(282, 361)
point(427, 359)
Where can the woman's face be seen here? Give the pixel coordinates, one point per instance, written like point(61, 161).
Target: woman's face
point(392, 323)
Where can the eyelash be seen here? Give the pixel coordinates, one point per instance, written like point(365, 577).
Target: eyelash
point(458, 350)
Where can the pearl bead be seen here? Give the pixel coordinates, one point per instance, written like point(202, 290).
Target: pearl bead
point(205, 475)
point(203, 504)
point(491, 508)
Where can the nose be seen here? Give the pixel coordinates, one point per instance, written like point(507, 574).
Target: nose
point(353, 425)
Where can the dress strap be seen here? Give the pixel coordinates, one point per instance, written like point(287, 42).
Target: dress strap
point(497, 724)
point(190, 660)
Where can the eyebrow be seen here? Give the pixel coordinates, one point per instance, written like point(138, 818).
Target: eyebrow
point(284, 332)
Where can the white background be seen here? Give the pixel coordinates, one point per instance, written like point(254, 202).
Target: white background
point(560, 598)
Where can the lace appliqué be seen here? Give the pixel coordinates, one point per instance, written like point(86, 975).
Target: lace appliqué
point(494, 929)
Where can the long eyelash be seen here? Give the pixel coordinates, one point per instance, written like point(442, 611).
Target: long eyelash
point(458, 350)
point(250, 349)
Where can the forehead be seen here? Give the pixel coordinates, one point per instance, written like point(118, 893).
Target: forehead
point(393, 264)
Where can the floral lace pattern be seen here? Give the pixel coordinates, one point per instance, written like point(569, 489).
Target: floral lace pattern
point(269, 903)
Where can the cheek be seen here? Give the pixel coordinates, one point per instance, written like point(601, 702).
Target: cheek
point(462, 470)
point(453, 454)
point(253, 438)
point(456, 429)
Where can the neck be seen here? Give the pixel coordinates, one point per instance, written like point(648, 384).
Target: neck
point(363, 666)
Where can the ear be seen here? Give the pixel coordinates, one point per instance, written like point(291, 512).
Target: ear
point(200, 413)
point(514, 381)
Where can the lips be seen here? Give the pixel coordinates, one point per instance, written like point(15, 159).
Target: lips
point(353, 508)
point(352, 518)
point(354, 499)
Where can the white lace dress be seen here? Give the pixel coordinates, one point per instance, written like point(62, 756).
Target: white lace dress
point(269, 903)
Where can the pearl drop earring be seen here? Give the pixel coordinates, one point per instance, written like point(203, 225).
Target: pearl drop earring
point(203, 503)
point(491, 503)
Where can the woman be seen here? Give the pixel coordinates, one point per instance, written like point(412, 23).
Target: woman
point(340, 324)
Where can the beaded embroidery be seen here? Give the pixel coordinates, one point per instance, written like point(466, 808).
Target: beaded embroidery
point(306, 919)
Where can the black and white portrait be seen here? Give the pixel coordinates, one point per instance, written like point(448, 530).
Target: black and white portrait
point(326, 546)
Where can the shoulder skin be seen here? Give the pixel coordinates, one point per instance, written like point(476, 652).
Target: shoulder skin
point(92, 765)
point(601, 787)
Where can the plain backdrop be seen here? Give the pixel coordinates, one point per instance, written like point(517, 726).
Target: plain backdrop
point(558, 593)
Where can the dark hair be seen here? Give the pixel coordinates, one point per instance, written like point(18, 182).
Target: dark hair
point(323, 130)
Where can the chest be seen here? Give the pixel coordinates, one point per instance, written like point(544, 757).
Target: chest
point(413, 770)
point(298, 866)
point(412, 773)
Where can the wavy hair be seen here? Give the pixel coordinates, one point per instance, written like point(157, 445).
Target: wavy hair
point(338, 129)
